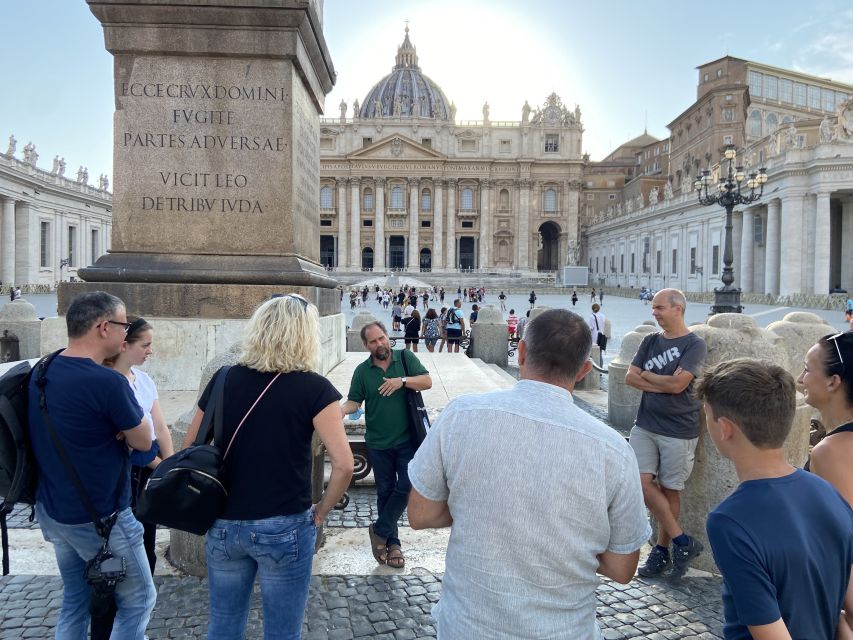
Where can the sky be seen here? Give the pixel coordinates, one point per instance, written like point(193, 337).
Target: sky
point(629, 65)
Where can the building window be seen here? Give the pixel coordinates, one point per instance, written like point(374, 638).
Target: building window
point(397, 198)
point(72, 246)
point(467, 224)
point(326, 197)
point(674, 261)
point(786, 91)
point(727, 140)
point(729, 97)
point(828, 99)
point(467, 199)
point(814, 97)
point(503, 200)
point(426, 200)
point(367, 199)
point(728, 114)
point(426, 223)
point(590, 196)
point(96, 245)
point(755, 124)
point(366, 142)
point(621, 263)
point(632, 263)
point(505, 146)
point(468, 145)
point(657, 261)
point(327, 143)
point(719, 73)
point(799, 94)
point(755, 82)
point(367, 222)
point(758, 230)
point(611, 196)
point(44, 244)
point(596, 265)
point(839, 98)
point(325, 223)
point(771, 87)
point(552, 143)
point(692, 261)
point(772, 123)
point(427, 142)
point(705, 78)
point(715, 259)
point(550, 201)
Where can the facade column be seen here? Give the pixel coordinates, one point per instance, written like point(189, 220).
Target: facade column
point(438, 225)
point(737, 241)
point(822, 246)
point(791, 246)
point(8, 233)
point(25, 270)
point(485, 225)
point(746, 250)
point(847, 241)
point(342, 223)
point(355, 224)
point(379, 226)
point(771, 249)
point(414, 257)
point(451, 260)
point(523, 233)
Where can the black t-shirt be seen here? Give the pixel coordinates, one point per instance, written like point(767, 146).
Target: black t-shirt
point(413, 327)
point(268, 470)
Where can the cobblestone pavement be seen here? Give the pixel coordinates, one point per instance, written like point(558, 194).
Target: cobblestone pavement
point(380, 607)
point(360, 511)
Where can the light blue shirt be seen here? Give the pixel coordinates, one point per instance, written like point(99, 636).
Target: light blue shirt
point(537, 489)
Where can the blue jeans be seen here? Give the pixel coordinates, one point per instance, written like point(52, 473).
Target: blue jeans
point(76, 544)
point(391, 473)
point(280, 550)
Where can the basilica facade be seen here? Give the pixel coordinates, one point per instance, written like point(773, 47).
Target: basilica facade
point(406, 186)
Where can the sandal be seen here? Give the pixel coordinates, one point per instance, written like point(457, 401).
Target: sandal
point(395, 557)
point(377, 546)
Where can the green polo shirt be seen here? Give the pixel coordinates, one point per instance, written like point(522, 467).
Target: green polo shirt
point(386, 417)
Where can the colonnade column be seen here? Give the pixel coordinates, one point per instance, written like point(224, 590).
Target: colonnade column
point(746, 250)
point(8, 230)
point(523, 233)
point(342, 223)
point(822, 245)
point(437, 225)
point(414, 258)
point(485, 225)
point(847, 241)
point(771, 249)
point(25, 273)
point(355, 223)
point(379, 227)
point(791, 246)
point(451, 261)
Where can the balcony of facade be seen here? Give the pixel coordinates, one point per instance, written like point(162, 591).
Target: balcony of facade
point(468, 214)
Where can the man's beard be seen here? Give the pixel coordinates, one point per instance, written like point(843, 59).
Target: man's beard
point(382, 353)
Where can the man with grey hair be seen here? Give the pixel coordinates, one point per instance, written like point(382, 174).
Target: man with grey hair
point(540, 496)
point(666, 431)
point(95, 417)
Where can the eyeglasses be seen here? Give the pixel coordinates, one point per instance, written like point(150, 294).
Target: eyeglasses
point(837, 348)
point(301, 300)
point(126, 325)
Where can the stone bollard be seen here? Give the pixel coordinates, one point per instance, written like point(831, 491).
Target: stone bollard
point(361, 319)
point(592, 380)
point(798, 332)
point(623, 401)
point(19, 318)
point(489, 335)
point(186, 550)
point(732, 335)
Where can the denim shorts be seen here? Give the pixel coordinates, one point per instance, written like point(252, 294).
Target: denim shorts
point(670, 459)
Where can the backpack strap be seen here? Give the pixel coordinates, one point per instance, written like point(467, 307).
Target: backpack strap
point(214, 417)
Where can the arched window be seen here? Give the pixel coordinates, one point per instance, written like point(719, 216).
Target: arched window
point(503, 199)
point(772, 122)
point(426, 200)
point(503, 250)
point(367, 258)
point(755, 124)
point(467, 198)
point(550, 200)
point(367, 199)
point(397, 197)
point(326, 201)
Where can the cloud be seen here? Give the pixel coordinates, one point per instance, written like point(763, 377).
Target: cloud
point(831, 53)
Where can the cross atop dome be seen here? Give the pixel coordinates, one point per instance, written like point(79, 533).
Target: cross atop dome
point(407, 54)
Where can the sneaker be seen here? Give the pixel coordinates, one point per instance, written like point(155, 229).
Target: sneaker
point(682, 557)
point(656, 564)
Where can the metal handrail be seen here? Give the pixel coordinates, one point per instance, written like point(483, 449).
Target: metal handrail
point(599, 368)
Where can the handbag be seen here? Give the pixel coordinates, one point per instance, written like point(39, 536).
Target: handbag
point(601, 339)
point(187, 491)
point(419, 423)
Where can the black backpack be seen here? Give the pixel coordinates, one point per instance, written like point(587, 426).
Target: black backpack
point(18, 475)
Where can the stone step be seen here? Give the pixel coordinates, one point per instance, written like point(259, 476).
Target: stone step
point(508, 378)
point(488, 371)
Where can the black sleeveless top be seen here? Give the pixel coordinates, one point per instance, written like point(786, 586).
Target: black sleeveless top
point(844, 428)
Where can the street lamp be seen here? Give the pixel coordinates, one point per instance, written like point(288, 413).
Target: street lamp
point(727, 193)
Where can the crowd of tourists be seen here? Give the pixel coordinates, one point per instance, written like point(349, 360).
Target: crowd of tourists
point(521, 562)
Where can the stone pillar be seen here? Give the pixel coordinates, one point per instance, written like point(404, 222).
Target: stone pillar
point(438, 226)
point(361, 319)
point(485, 225)
point(490, 336)
point(26, 233)
point(8, 233)
point(414, 258)
point(799, 330)
point(623, 401)
point(522, 236)
point(791, 246)
point(847, 241)
point(746, 249)
point(737, 241)
point(771, 249)
point(342, 223)
point(451, 261)
point(355, 224)
point(379, 226)
point(822, 246)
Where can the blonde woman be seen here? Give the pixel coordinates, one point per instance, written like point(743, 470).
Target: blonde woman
point(268, 526)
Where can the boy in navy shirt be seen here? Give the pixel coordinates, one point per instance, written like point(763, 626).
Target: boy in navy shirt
point(782, 539)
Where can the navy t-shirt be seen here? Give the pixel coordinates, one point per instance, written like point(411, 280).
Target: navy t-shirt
point(675, 415)
point(88, 405)
point(785, 548)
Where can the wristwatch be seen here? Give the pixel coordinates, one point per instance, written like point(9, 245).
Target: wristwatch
point(403, 380)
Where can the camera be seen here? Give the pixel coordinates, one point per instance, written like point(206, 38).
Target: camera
point(103, 573)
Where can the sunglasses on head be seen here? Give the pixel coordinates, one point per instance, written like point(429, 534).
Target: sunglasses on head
point(301, 300)
point(834, 340)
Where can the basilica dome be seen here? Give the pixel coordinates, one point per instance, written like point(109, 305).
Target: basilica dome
point(406, 92)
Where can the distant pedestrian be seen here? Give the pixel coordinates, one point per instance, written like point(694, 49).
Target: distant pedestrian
point(442, 323)
point(441, 295)
point(601, 297)
point(592, 295)
point(18, 293)
point(519, 330)
point(596, 325)
point(502, 298)
point(511, 323)
point(532, 299)
point(475, 310)
point(412, 330)
point(455, 326)
point(574, 298)
point(431, 329)
point(396, 316)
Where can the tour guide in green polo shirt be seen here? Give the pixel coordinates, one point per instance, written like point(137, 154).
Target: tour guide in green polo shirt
point(380, 382)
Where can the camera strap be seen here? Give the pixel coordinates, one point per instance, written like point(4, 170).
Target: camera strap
point(103, 525)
